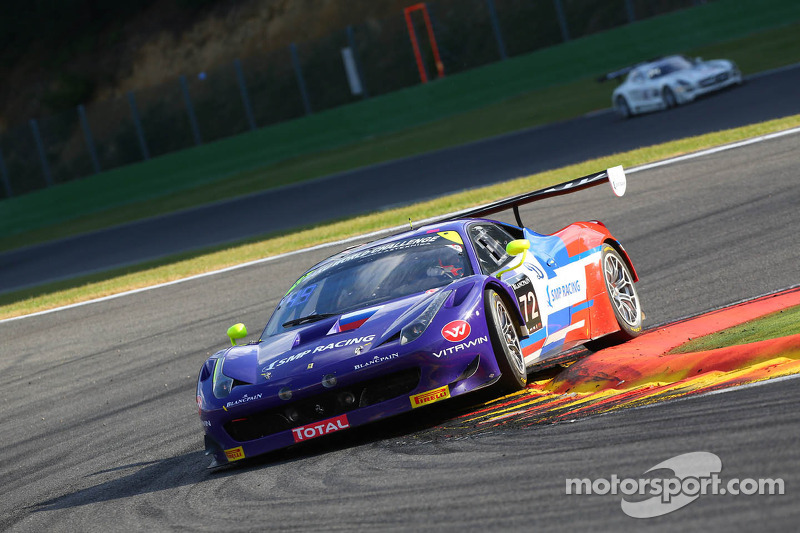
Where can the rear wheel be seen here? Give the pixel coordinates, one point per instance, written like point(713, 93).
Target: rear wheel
point(669, 98)
point(505, 342)
point(623, 298)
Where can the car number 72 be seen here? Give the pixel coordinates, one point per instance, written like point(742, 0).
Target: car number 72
point(523, 290)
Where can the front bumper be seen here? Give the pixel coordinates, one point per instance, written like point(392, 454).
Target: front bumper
point(458, 375)
point(731, 78)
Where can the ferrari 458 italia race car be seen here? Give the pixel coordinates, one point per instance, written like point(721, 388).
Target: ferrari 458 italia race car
point(668, 82)
point(417, 318)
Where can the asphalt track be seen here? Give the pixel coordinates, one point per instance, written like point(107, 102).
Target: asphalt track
point(398, 182)
point(100, 430)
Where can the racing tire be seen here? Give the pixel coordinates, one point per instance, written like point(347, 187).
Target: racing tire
point(669, 98)
point(505, 343)
point(623, 298)
point(623, 109)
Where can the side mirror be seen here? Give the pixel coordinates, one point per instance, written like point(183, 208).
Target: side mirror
point(514, 248)
point(237, 331)
point(518, 246)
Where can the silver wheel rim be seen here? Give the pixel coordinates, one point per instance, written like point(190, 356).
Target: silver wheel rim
point(621, 290)
point(508, 334)
point(669, 98)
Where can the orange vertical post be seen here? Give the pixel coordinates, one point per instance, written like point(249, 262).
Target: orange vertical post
point(423, 75)
point(432, 39)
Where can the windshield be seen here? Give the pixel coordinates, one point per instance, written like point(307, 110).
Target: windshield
point(370, 277)
point(668, 66)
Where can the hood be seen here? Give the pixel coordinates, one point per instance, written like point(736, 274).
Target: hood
point(699, 72)
point(323, 343)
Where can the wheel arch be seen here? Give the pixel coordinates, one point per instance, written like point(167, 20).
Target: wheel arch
point(625, 257)
point(512, 303)
point(667, 87)
point(594, 234)
point(621, 96)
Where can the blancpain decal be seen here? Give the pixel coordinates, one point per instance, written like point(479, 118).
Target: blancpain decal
point(521, 283)
point(375, 360)
point(243, 399)
point(463, 346)
point(345, 342)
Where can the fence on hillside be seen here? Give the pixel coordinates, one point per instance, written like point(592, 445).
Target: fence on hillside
point(360, 62)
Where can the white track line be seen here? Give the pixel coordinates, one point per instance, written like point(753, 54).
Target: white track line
point(341, 242)
point(710, 151)
point(754, 384)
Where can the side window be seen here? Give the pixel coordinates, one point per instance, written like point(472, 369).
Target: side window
point(490, 243)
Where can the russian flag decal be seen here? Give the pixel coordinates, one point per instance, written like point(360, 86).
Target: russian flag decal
point(353, 320)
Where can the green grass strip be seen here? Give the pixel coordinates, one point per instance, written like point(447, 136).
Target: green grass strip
point(180, 266)
point(547, 85)
point(780, 324)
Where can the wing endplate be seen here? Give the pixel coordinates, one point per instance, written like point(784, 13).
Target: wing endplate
point(615, 176)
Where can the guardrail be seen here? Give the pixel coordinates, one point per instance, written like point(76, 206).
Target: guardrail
point(443, 37)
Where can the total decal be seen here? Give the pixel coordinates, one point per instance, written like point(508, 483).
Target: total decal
point(318, 429)
point(243, 399)
point(376, 360)
point(431, 396)
point(460, 347)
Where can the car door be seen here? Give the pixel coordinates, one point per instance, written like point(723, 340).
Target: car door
point(637, 89)
point(528, 280)
point(563, 289)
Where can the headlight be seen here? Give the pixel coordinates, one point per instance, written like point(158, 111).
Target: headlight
point(683, 85)
point(421, 323)
point(222, 383)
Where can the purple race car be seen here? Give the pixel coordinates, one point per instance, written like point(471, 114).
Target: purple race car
point(416, 318)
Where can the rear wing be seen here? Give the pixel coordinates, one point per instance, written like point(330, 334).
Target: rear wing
point(614, 176)
point(624, 71)
point(616, 74)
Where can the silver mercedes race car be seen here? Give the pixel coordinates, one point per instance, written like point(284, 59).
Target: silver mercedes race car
point(669, 82)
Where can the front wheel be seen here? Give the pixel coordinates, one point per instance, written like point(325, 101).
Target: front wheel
point(505, 342)
point(623, 108)
point(623, 298)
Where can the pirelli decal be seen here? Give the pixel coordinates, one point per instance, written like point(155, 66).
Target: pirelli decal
point(424, 398)
point(234, 454)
